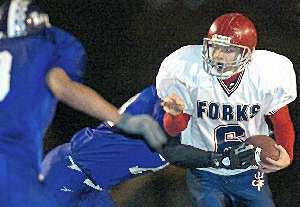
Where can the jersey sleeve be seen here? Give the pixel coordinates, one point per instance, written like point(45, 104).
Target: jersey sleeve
point(168, 84)
point(141, 103)
point(280, 88)
point(69, 53)
point(145, 102)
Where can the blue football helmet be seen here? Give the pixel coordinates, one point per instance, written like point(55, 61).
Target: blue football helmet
point(21, 18)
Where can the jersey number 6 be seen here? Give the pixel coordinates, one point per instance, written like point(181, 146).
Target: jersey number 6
point(228, 136)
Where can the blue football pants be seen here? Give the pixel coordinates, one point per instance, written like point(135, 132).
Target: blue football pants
point(212, 190)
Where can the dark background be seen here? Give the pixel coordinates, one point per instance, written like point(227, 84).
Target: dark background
point(126, 40)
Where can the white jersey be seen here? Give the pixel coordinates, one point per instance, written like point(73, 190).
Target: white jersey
point(221, 115)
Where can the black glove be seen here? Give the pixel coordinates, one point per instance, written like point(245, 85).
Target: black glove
point(237, 157)
point(145, 126)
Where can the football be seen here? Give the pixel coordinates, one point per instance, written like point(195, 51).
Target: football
point(266, 144)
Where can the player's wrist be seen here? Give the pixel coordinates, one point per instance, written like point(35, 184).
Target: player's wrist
point(215, 160)
point(122, 122)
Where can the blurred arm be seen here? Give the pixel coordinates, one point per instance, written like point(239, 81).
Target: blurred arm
point(90, 102)
point(80, 97)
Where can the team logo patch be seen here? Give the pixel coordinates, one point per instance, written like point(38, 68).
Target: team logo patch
point(258, 180)
point(139, 170)
point(230, 88)
point(91, 184)
point(65, 189)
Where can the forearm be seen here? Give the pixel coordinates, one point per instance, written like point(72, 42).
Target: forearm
point(87, 100)
point(80, 97)
point(187, 156)
point(283, 130)
point(240, 156)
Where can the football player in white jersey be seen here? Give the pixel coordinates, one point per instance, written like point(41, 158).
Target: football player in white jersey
point(226, 88)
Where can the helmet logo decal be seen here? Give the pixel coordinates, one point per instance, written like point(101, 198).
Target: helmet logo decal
point(221, 38)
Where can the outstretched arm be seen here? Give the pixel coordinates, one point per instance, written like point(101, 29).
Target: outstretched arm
point(238, 157)
point(186, 156)
point(87, 100)
point(80, 97)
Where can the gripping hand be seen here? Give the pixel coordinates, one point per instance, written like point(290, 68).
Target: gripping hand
point(237, 157)
point(145, 126)
point(173, 105)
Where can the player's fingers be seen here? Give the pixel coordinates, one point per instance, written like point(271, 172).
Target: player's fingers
point(269, 165)
point(168, 102)
point(165, 104)
point(264, 170)
point(279, 164)
point(272, 162)
point(284, 156)
point(280, 148)
point(167, 108)
point(171, 99)
point(174, 96)
point(269, 169)
point(178, 101)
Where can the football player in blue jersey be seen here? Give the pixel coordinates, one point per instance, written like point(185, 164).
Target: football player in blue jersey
point(82, 172)
point(40, 65)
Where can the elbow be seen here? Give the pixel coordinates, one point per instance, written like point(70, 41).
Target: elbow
point(62, 93)
point(59, 83)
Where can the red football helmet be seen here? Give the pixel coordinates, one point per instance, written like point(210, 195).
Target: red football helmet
point(232, 34)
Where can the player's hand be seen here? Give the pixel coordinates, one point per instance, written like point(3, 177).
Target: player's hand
point(173, 105)
point(237, 157)
point(272, 166)
point(145, 126)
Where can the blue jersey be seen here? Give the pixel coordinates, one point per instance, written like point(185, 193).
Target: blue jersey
point(27, 106)
point(93, 148)
point(97, 159)
point(145, 102)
